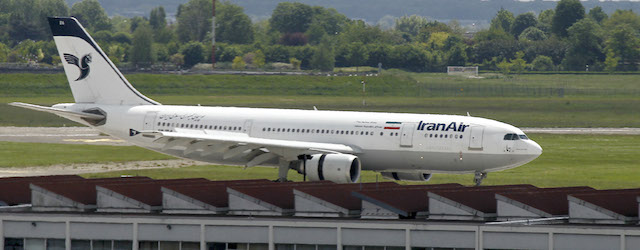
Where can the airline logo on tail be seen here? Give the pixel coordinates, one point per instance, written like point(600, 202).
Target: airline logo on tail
point(83, 64)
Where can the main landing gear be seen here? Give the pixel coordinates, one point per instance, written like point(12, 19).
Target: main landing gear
point(479, 176)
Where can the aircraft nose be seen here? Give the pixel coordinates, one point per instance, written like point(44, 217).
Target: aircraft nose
point(534, 149)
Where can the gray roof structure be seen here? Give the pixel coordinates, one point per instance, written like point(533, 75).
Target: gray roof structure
point(604, 206)
point(537, 203)
point(387, 200)
point(398, 202)
point(334, 200)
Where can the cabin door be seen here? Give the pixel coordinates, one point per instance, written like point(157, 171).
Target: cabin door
point(247, 127)
point(149, 121)
point(406, 135)
point(475, 140)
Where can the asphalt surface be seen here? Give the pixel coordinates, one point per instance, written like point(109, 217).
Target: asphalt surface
point(85, 135)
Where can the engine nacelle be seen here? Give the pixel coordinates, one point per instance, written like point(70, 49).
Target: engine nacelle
point(403, 176)
point(338, 168)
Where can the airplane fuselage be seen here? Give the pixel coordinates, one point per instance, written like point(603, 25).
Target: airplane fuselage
point(385, 141)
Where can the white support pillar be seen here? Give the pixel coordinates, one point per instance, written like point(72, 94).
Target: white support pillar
point(623, 241)
point(1, 234)
point(407, 239)
point(339, 238)
point(134, 242)
point(203, 242)
point(272, 246)
point(550, 240)
point(67, 235)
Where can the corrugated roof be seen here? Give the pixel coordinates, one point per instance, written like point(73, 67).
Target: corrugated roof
point(480, 198)
point(621, 201)
point(84, 191)
point(213, 193)
point(16, 190)
point(340, 194)
point(148, 192)
point(409, 199)
point(549, 200)
point(278, 194)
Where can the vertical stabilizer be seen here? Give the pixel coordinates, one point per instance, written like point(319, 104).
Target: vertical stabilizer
point(92, 76)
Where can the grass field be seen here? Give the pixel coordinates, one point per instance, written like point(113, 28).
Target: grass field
point(600, 161)
point(14, 154)
point(521, 112)
point(525, 101)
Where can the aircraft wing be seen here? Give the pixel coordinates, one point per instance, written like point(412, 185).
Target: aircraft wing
point(230, 144)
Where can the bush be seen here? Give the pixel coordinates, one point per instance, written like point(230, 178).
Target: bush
point(542, 63)
point(193, 53)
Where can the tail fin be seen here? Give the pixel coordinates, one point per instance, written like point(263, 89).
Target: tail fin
point(92, 76)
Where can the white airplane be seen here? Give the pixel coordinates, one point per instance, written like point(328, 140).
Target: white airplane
point(323, 145)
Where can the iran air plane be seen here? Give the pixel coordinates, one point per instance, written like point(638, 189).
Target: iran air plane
point(322, 145)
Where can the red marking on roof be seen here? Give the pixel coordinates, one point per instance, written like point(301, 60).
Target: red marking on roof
point(213, 193)
point(549, 200)
point(84, 191)
point(148, 192)
point(480, 198)
point(621, 201)
point(340, 194)
point(16, 190)
point(410, 199)
point(391, 127)
point(278, 194)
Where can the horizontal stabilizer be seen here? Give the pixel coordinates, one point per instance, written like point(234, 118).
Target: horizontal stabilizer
point(57, 111)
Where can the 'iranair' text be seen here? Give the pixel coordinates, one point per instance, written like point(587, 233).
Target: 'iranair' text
point(453, 126)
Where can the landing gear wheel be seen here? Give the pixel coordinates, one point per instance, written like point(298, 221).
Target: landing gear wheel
point(477, 179)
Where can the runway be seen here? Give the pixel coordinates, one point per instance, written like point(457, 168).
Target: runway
point(86, 135)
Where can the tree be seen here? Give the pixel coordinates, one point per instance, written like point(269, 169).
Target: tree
point(622, 17)
point(193, 53)
point(323, 58)
point(158, 18)
point(258, 59)
point(411, 24)
point(142, 44)
point(177, 59)
point(545, 20)
point(91, 14)
point(542, 63)
point(357, 55)
point(597, 14)
point(625, 45)
point(238, 63)
point(522, 22)
point(194, 20)
point(585, 45)
point(291, 17)
point(566, 14)
point(330, 19)
point(457, 56)
point(503, 20)
point(611, 63)
point(518, 65)
point(232, 24)
point(315, 33)
point(532, 34)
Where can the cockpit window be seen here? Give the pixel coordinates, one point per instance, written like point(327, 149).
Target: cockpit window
point(524, 137)
point(511, 137)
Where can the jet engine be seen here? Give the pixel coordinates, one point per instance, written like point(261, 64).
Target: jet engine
point(404, 176)
point(338, 168)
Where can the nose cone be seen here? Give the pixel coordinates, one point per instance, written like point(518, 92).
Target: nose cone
point(534, 149)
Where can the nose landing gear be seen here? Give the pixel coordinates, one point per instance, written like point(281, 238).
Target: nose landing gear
point(479, 176)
